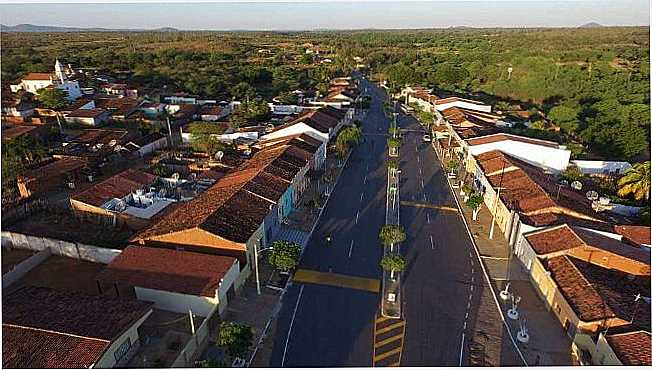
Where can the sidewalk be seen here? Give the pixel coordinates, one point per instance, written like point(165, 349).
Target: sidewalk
point(548, 345)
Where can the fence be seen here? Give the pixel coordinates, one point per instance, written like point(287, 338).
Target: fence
point(59, 247)
point(22, 209)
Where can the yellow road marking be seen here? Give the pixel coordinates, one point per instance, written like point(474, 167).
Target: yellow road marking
point(389, 340)
point(381, 319)
point(337, 280)
point(387, 354)
point(390, 327)
point(426, 205)
point(395, 364)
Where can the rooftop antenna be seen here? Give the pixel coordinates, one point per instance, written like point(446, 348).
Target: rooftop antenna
point(219, 155)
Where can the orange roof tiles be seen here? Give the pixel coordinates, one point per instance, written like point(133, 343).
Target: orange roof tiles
point(639, 235)
point(632, 349)
point(37, 76)
point(169, 270)
point(33, 348)
point(596, 293)
point(117, 186)
point(55, 168)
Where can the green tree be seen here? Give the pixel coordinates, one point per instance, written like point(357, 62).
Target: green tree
point(393, 262)
point(453, 165)
point(350, 135)
point(53, 98)
point(426, 118)
point(243, 91)
point(235, 338)
point(566, 117)
point(475, 202)
point(636, 181)
point(284, 255)
point(392, 234)
point(572, 173)
point(204, 137)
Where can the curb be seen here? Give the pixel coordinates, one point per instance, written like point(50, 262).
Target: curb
point(484, 270)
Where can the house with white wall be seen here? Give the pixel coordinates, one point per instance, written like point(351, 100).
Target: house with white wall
point(601, 167)
point(34, 81)
point(176, 280)
point(443, 104)
point(46, 328)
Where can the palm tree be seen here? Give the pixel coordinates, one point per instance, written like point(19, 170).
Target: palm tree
point(636, 181)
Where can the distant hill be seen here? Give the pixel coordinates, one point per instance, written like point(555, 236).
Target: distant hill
point(38, 28)
point(591, 25)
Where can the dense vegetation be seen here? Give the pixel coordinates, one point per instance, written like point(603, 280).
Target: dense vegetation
point(592, 83)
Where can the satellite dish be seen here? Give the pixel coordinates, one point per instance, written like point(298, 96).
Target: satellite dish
point(175, 176)
point(592, 195)
point(219, 155)
point(576, 185)
point(604, 201)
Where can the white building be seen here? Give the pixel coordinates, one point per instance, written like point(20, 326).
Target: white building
point(36, 81)
point(442, 104)
point(601, 167)
point(541, 153)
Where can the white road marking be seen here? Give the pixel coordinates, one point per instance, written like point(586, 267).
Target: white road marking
point(470, 297)
point(361, 194)
point(428, 217)
point(432, 245)
point(351, 249)
point(464, 325)
point(417, 159)
point(468, 305)
point(467, 315)
point(472, 278)
point(287, 340)
point(423, 187)
point(462, 349)
point(365, 179)
point(420, 171)
point(472, 287)
point(356, 217)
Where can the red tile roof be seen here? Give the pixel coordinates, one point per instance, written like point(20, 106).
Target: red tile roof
point(554, 240)
point(99, 317)
point(34, 348)
point(243, 192)
point(169, 270)
point(596, 293)
point(527, 188)
point(13, 132)
point(117, 186)
point(37, 76)
point(55, 168)
point(508, 137)
point(457, 116)
point(87, 113)
point(316, 119)
point(632, 349)
point(95, 136)
point(563, 237)
point(212, 110)
point(639, 235)
point(456, 99)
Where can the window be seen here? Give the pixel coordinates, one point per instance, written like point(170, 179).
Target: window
point(122, 350)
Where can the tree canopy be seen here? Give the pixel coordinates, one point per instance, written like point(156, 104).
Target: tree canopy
point(284, 255)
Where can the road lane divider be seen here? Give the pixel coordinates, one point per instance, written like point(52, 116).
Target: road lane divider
point(428, 205)
point(389, 337)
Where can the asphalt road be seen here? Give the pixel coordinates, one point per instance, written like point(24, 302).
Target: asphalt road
point(330, 326)
point(324, 326)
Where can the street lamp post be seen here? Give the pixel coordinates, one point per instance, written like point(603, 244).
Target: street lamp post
point(256, 251)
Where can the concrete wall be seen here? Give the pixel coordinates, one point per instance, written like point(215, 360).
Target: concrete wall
point(60, 247)
point(463, 104)
point(155, 145)
point(108, 359)
point(24, 267)
point(299, 128)
point(604, 354)
point(177, 302)
point(538, 155)
point(193, 348)
point(230, 279)
point(601, 167)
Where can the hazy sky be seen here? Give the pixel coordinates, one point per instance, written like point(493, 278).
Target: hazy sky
point(297, 15)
